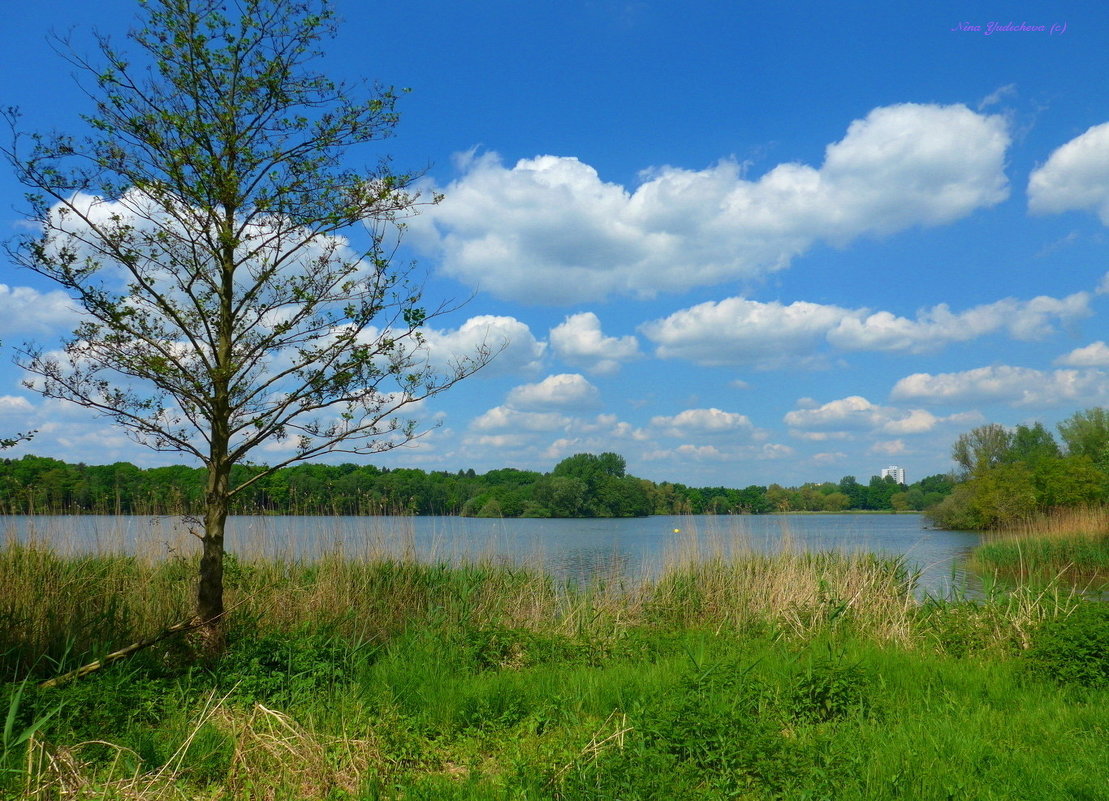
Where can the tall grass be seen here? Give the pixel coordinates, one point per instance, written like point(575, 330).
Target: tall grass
point(793, 591)
point(1065, 523)
point(57, 609)
point(1069, 544)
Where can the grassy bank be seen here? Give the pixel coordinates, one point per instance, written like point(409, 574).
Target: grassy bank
point(786, 676)
point(1070, 545)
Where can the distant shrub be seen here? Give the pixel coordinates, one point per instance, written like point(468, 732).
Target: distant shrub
point(957, 512)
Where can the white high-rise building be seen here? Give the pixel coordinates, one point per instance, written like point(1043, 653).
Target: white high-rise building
point(898, 473)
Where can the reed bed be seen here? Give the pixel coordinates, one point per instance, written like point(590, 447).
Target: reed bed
point(1069, 545)
point(60, 608)
point(1080, 521)
point(269, 755)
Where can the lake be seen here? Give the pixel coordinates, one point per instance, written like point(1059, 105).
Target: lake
point(570, 549)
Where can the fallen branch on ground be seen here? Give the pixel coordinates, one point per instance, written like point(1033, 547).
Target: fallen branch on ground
point(123, 653)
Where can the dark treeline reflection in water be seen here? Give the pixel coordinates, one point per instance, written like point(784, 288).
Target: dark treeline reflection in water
point(575, 550)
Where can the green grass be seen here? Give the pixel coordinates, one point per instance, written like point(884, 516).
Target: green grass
point(785, 677)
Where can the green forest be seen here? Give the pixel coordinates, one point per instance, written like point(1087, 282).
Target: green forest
point(1004, 475)
point(583, 485)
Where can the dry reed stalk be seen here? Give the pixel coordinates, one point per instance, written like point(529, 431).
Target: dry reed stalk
point(1028, 607)
point(798, 591)
point(60, 775)
point(273, 757)
point(595, 747)
point(1085, 521)
point(276, 757)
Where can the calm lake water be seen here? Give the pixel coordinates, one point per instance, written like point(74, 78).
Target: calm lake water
point(571, 549)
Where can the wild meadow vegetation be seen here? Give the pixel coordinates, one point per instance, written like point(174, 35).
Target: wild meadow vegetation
point(730, 675)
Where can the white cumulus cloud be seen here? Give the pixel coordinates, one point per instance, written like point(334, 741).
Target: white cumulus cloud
point(837, 419)
point(772, 450)
point(564, 391)
point(1096, 354)
point(516, 348)
point(890, 447)
point(504, 417)
point(702, 452)
point(550, 230)
point(14, 403)
point(689, 453)
point(738, 331)
point(939, 326)
point(1016, 386)
point(27, 311)
point(580, 341)
point(1076, 176)
point(697, 422)
point(851, 413)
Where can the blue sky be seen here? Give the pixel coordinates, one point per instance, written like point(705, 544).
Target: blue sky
point(735, 244)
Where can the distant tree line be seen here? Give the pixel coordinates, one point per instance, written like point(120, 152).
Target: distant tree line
point(583, 485)
point(1012, 474)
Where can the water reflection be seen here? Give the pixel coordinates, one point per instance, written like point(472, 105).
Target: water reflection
point(584, 566)
point(581, 551)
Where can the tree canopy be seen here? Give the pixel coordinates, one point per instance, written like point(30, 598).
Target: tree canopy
point(1012, 474)
point(1086, 433)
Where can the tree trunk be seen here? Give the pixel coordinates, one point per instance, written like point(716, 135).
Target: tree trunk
point(209, 597)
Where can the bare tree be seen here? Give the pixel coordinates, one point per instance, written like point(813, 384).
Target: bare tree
point(205, 225)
